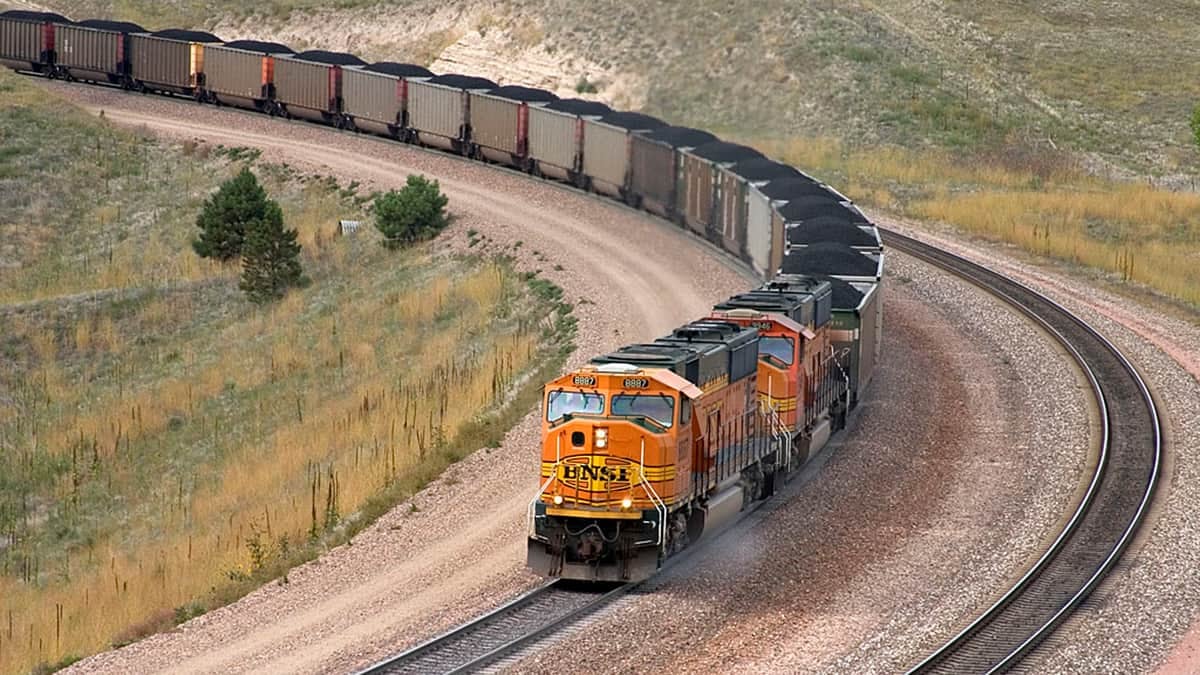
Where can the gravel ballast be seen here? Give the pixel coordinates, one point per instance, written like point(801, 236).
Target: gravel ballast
point(1146, 615)
point(969, 448)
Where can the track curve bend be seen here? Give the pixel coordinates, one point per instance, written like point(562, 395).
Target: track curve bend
point(1109, 514)
point(1125, 436)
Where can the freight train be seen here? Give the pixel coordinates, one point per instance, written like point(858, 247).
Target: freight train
point(650, 446)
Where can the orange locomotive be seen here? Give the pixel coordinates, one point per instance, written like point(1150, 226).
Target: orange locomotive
point(648, 447)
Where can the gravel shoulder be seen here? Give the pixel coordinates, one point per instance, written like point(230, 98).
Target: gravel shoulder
point(1146, 615)
point(922, 500)
point(414, 574)
point(971, 444)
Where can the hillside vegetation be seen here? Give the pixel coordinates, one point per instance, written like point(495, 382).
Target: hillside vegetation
point(1118, 78)
point(165, 445)
point(1076, 112)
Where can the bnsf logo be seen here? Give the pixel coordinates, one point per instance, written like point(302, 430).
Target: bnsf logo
point(597, 473)
point(588, 472)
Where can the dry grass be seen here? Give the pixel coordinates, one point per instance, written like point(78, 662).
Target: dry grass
point(164, 445)
point(1037, 200)
point(297, 457)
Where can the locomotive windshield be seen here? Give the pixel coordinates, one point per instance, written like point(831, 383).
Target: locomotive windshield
point(658, 407)
point(562, 403)
point(781, 349)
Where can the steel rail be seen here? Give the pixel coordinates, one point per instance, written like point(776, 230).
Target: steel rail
point(1114, 505)
point(500, 632)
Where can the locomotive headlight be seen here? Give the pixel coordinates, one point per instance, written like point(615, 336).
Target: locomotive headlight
point(601, 437)
point(557, 500)
point(626, 503)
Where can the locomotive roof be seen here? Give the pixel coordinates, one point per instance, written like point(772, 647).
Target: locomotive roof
point(399, 69)
point(463, 81)
point(115, 26)
point(518, 93)
point(632, 120)
point(829, 258)
point(711, 329)
point(676, 358)
point(258, 46)
point(26, 15)
point(806, 208)
point(724, 151)
point(830, 229)
point(579, 106)
point(795, 283)
point(186, 35)
point(331, 58)
point(761, 168)
point(782, 312)
point(681, 137)
point(795, 187)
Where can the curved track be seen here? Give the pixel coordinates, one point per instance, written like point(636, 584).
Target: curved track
point(1108, 515)
point(1107, 518)
point(500, 632)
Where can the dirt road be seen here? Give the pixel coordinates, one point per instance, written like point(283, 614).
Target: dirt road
point(413, 574)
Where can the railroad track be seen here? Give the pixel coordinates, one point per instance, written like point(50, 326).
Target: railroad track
point(501, 632)
point(1108, 515)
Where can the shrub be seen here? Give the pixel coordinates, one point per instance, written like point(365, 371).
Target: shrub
point(414, 213)
point(223, 220)
point(270, 258)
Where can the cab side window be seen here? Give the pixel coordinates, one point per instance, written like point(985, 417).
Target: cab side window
point(685, 412)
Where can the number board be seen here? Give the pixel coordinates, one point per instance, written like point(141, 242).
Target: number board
point(583, 381)
point(636, 383)
point(763, 325)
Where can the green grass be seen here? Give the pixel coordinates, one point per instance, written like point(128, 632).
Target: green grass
point(165, 446)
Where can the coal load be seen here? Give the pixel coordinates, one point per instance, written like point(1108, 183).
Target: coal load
point(514, 92)
point(830, 230)
point(39, 17)
point(681, 137)
point(260, 47)
point(788, 189)
point(463, 81)
point(808, 208)
point(760, 168)
point(330, 58)
point(845, 295)
point(829, 259)
point(579, 106)
point(723, 152)
point(633, 121)
point(186, 35)
point(114, 26)
point(399, 69)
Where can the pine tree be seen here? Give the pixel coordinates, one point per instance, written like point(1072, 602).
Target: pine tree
point(416, 212)
point(270, 258)
point(225, 216)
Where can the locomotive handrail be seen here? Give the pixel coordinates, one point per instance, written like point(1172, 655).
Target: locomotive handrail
point(660, 507)
point(779, 432)
point(532, 514)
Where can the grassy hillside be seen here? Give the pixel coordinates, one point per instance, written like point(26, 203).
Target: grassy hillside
point(165, 445)
point(1076, 111)
point(1118, 78)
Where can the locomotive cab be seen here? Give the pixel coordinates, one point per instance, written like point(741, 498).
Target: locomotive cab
point(616, 455)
